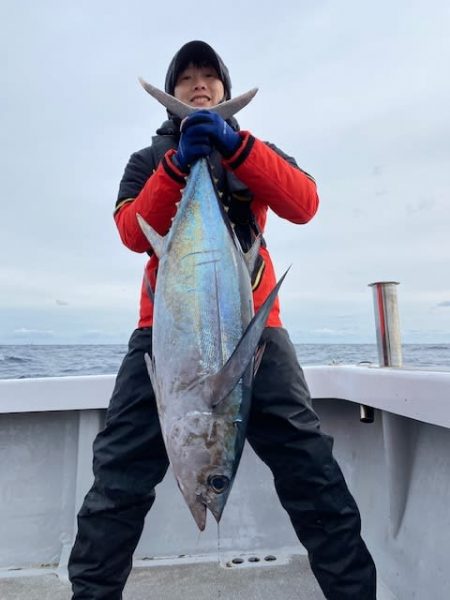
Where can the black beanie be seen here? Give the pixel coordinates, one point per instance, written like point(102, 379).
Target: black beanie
point(197, 52)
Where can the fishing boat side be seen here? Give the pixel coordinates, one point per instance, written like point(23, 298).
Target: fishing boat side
point(397, 468)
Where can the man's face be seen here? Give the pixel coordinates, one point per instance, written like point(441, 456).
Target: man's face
point(199, 87)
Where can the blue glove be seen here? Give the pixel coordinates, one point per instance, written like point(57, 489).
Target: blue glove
point(221, 135)
point(194, 144)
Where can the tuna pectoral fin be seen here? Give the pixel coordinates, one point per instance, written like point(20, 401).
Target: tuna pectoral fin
point(224, 382)
point(156, 241)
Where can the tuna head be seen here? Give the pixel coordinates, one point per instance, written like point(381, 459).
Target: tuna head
point(203, 454)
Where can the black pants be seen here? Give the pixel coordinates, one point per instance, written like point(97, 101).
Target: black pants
point(130, 460)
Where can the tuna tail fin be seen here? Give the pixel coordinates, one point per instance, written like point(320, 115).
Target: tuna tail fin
point(221, 384)
point(180, 109)
point(155, 240)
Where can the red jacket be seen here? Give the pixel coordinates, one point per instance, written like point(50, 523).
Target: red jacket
point(274, 183)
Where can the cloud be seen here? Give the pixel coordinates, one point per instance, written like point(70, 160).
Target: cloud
point(366, 116)
point(423, 205)
point(445, 304)
point(38, 332)
point(377, 170)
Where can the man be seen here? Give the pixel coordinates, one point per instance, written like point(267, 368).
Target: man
point(129, 454)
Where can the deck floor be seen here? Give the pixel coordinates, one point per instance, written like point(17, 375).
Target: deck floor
point(202, 581)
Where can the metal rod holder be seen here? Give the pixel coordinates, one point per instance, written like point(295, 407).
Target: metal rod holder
point(387, 324)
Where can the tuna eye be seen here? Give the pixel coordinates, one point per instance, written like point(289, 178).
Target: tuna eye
point(218, 483)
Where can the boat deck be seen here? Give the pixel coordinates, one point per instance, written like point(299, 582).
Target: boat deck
point(202, 581)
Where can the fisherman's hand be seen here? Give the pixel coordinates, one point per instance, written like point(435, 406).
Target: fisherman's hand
point(222, 136)
point(194, 144)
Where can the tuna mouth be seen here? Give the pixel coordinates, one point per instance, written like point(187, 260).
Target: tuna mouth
point(218, 483)
point(198, 510)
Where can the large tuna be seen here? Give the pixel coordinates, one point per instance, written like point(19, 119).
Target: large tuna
point(205, 339)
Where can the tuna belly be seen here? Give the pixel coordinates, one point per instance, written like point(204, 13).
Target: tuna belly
point(200, 317)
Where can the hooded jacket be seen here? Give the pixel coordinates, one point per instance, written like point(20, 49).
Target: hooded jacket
point(257, 177)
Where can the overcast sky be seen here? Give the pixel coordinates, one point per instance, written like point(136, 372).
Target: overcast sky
point(358, 92)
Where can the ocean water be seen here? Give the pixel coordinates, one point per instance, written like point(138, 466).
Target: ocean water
point(22, 361)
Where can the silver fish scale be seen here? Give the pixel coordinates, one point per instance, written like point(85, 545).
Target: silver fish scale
point(199, 300)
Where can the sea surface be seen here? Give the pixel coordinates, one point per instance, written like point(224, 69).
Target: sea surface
point(24, 361)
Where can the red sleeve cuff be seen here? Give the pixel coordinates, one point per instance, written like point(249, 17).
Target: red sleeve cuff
point(171, 168)
point(236, 160)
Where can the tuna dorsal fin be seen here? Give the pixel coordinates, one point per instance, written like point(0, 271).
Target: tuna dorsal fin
point(155, 240)
point(222, 383)
point(180, 109)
